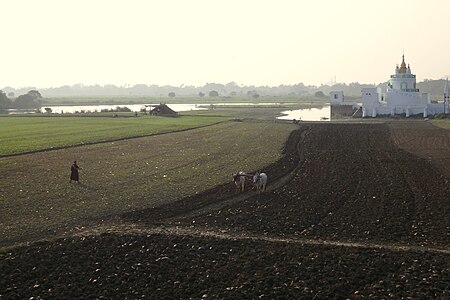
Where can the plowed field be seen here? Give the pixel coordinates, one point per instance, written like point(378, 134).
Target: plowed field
point(424, 140)
point(348, 214)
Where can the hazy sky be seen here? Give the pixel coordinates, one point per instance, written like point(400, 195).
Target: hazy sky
point(49, 43)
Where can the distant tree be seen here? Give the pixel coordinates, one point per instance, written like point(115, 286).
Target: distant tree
point(213, 87)
point(24, 101)
point(213, 94)
point(233, 94)
point(48, 110)
point(319, 94)
point(232, 86)
point(35, 94)
point(32, 99)
point(11, 94)
point(117, 109)
point(4, 101)
point(201, 94)
point(171, 94)
point(252, 93)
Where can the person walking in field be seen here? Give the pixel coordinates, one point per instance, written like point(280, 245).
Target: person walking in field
point(74, 172)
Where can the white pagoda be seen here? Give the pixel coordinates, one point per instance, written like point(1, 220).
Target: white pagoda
point(402, 97)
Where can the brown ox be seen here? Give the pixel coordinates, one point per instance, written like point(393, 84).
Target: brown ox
point(239, 180)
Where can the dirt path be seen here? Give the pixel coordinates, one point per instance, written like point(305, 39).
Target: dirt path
point(132, 229)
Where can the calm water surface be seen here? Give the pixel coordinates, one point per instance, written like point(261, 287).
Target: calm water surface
point(97, 108)
point(307, 114)
point(137, 107)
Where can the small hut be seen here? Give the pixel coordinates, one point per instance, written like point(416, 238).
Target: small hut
point(162, 110)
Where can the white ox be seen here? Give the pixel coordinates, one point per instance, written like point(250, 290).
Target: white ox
point(260, 181)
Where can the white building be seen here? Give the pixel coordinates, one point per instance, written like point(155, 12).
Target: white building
point(402, 97)
point(339, 107)
point(337, 97)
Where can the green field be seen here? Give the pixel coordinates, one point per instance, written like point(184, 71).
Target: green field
point(22, 134)
point(36, 197)
point(443, 123)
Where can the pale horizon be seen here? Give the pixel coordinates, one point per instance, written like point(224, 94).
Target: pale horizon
point(51, 43)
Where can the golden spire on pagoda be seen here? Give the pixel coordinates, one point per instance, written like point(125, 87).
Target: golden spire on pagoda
point(403, 65)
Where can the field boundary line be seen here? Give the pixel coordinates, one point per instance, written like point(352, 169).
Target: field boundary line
point(227, 235)
point(107, 141)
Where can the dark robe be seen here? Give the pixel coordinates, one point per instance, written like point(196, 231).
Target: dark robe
point(74, 172)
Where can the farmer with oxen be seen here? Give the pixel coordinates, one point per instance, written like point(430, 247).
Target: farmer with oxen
point(259, 180)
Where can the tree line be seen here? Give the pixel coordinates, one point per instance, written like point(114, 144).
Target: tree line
point(231, 89)
point(31, 100)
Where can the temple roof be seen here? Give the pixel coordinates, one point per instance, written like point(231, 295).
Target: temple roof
point(403, 65)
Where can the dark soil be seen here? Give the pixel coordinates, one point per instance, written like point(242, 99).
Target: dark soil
point(353, 184)
point(347, 183)
point(424, 140)
point(177, 267)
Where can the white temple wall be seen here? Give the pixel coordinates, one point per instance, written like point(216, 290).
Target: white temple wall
point(371, 97)
point(384, 110)
point(428, 110)
point(398, 98)
point(426, 98)
point(437, 108)
point(403, 83)
point(417, 110)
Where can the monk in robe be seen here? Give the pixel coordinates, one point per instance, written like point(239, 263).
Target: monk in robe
point(74, 172)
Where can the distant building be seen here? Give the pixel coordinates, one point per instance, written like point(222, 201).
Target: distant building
point(402, 97)
point(339, 107)
point(162, 110)
point(336, 97)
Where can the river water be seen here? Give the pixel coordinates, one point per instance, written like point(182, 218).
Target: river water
point(306, 114)
point(97, 108)
point(70, 109)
